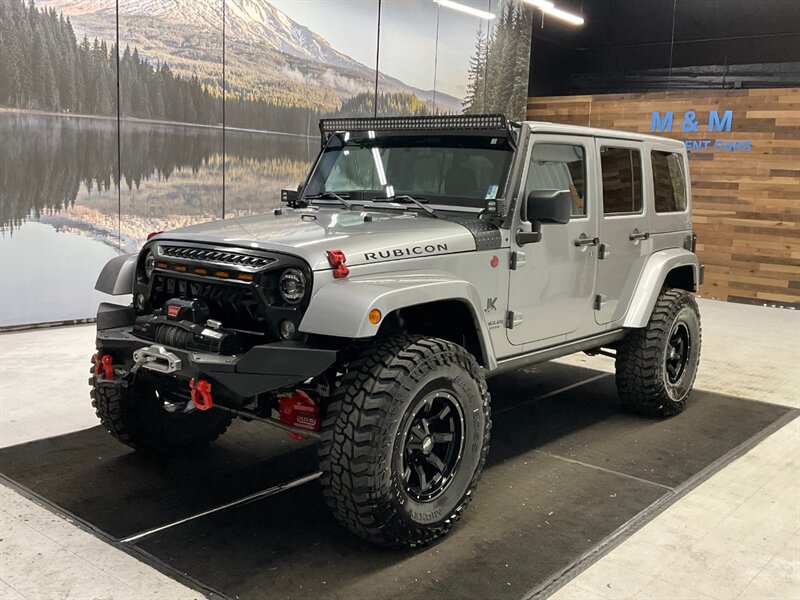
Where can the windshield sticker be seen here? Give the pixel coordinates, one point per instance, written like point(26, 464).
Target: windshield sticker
point(491, 192)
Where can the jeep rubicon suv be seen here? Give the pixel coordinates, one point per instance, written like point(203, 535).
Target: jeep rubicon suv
point(421, 256)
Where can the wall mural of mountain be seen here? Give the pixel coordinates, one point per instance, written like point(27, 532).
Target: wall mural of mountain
point(269, 57)
point(65, 190)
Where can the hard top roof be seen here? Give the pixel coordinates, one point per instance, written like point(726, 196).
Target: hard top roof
point(547, 127)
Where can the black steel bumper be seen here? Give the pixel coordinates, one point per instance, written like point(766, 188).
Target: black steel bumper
point(261, 369)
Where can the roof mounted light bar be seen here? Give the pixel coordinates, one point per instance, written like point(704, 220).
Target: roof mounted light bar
point(421, 123)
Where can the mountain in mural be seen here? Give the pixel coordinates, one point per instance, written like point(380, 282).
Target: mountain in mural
point(269, 56)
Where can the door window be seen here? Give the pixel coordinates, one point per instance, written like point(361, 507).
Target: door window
point(669, 183)
point(559, 167)
point(622, 180)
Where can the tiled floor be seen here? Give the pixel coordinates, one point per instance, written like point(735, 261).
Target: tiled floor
point(735, 536)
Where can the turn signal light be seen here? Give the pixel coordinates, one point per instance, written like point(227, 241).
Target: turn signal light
point(153, 234)
point(375, 316)
point(336, 259)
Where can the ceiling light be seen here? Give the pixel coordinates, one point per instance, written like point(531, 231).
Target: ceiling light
point(466, 9)
point(549, 8)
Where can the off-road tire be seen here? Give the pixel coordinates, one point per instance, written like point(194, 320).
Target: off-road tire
point(643, 379)
point(362, 446)
point(135, 416)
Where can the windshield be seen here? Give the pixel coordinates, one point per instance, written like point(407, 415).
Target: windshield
point(447, 170)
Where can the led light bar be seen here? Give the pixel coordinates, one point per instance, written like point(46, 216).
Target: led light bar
point(549, 8)
point(466, 9)
point(372, 124)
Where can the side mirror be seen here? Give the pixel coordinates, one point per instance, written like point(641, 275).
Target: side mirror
point(544, 206)
point(549, 206)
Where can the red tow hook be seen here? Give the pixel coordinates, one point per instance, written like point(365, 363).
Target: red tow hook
point(201, 394)
point(108, 367)
point(103, 366)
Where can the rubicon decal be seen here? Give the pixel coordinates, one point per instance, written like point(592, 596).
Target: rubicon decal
point(408, 251)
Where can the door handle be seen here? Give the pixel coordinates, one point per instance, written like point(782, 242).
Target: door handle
point(639, 236)
point(586, 241)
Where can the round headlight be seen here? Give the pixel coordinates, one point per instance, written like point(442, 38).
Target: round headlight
point(140, 302)
point(287, 329)
point(149, 265)
point(292, 285)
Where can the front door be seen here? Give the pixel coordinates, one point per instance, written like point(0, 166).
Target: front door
point(552, 285)
point(624, 227)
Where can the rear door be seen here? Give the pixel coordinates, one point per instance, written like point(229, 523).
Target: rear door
point(551, 287)
point(624, 227)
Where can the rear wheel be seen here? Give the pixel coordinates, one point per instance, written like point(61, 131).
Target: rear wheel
point(657, 365)
point(137, 415)
point(404, 440)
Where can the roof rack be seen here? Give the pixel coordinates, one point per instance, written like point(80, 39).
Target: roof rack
point(494, 122)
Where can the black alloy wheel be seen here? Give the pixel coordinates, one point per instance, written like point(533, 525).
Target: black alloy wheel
point(678, 349)
point(432, 445)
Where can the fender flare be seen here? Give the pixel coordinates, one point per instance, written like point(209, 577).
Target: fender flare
point(655, 272)
point(117, 275)
point(340, 308)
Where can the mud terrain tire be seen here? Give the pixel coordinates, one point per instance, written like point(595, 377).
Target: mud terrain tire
point(404, 440)
point(136, 417)
point(657, 365)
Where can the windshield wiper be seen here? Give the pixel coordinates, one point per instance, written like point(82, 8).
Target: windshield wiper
point(406, 198)
point(329, 196)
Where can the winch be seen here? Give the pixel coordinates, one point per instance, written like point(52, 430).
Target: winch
point(186, 324)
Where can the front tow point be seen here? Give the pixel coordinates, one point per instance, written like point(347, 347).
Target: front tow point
point(201, 394)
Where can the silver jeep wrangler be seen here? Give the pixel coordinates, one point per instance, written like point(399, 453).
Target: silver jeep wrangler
point(421, 256)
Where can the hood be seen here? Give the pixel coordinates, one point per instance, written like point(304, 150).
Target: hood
point(364, 236)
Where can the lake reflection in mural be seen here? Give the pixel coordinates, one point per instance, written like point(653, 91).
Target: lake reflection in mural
point(61, 173)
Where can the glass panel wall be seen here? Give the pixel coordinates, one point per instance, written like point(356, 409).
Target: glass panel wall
point(171, 149)
point(288, 64)
point(406, 84)
point(58, 161)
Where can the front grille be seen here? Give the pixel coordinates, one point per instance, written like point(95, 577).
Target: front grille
point(217, 256)
point(235, 305)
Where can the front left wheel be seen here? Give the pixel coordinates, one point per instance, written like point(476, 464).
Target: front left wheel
point(404, 440)
point(135, 413)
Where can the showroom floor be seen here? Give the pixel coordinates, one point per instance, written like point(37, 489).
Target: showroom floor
point(735, 535)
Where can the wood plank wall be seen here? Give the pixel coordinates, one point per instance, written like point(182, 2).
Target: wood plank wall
point(746, 204)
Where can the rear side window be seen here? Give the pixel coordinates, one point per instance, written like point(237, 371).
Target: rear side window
point(622, 180)
point(559, 167)
point(669, 182)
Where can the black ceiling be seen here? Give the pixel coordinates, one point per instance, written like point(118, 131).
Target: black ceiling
point(625, 37)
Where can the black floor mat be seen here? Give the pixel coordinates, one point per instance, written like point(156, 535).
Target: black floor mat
point(565, 470)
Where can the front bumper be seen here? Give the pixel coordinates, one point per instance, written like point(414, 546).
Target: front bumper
point(261, 369)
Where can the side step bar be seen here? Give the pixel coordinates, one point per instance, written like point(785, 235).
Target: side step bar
point(538, 356)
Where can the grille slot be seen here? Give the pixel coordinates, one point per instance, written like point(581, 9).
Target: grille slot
point(237, 306)
point(217, 256)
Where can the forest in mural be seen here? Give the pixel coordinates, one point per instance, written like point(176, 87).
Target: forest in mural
point(498, 70)
point(42, 65)
point(78, 183)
